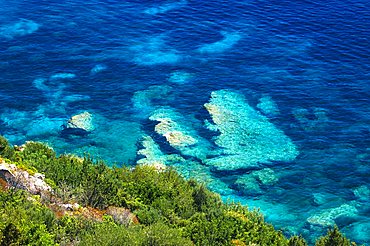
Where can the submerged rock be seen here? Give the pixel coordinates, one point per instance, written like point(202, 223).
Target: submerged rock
point(360, 231)
point(179, 133)
point(266, 176)
point(311, 121)
point(18, 29)
point(98, 68)
point(322, 199)
point(114, 140)
point(328, 216)
point(175, 138)
point(188, 168)
point(160, 9)
point(362, 193)
point(62, 76)
point(227, 42)
point(246, 137)
point(44, 126)
point(154, 157)
point(251, 183)
point(248, 185)
point(80, 123)
point(154, 51)
point(146, 101)
point(180, 77)
point(268, 106)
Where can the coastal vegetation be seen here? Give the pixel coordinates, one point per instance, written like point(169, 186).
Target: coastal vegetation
point(89, 203)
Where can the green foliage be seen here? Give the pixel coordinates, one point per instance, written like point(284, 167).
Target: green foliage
point(170, 210)
point(334, 238)
point(24, 222)
point(73, 178)
point(148, 216)
point(6, 151)
point(297, 241)
point(107, 234)
point(159, 234)
point(69, 229)
point(203, 198)
point(38, 152)
point(11, 235)
point(220, 226)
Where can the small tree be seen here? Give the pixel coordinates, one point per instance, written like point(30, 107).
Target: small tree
point(334, 238)
point(11, 235)
point(297, 241)
point(6, 150)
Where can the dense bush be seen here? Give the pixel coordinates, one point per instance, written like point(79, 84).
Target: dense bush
point(6, 151)
point(297, 241)
point(159, 234)
point(334, 237)
point(170, 209)
point(24, 222)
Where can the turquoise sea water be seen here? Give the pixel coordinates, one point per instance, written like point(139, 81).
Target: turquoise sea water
point(268, 102)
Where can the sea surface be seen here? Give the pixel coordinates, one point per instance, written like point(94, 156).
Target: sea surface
point(267, 102)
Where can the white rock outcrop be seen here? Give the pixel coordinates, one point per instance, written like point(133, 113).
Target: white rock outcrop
point(21, 179)
point(83, 121)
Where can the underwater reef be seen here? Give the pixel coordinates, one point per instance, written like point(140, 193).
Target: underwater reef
point(246, 136)
point(18, 29)
point(262, 102)
point(235, 147)
point(50, 199)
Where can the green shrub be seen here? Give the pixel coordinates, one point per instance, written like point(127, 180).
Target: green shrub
point(222, 226)
point(6, 151)
point(148, 216)
point(204, 200)
point(10, 236)
point(297, 241)
point(107, 234)
point(171, 210)
point(24, 222)
point(334, 238)
point(68, 229)
point(160, 234)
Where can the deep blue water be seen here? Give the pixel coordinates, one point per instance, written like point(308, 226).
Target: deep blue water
point(306, 57)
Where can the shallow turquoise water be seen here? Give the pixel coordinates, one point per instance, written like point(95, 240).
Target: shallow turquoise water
point(299, 71)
